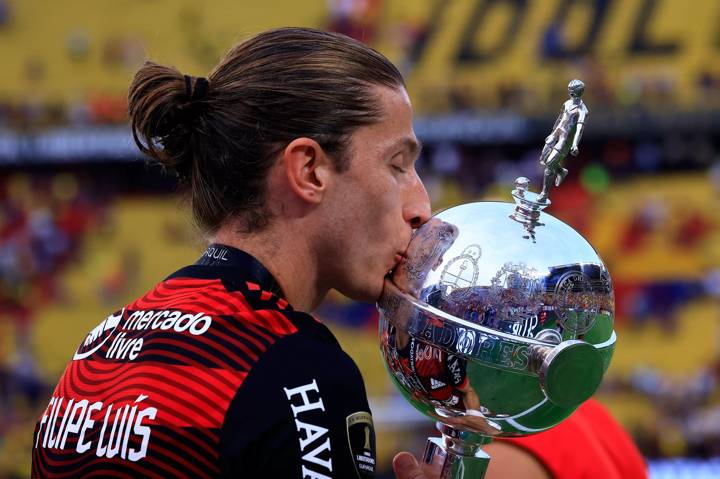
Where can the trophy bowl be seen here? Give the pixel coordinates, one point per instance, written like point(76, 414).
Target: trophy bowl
point(499, 322)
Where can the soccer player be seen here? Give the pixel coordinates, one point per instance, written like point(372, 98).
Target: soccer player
point(298, 155)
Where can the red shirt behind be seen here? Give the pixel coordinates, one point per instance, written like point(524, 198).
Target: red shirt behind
point(589, 444)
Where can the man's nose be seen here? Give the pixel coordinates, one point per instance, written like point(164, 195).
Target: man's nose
point(417, 205)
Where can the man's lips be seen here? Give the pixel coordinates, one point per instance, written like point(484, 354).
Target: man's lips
point(400, 258)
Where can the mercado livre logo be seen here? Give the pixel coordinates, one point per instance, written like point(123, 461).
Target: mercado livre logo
point(126, 338)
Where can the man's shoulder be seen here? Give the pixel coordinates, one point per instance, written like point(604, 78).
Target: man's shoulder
point(239, 300)
point(304, 399)
point(309, 356)
point(314, 346)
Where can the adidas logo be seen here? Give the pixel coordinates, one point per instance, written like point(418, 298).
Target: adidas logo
point(435, 384)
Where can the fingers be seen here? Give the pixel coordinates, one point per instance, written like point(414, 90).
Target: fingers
point(406, 467)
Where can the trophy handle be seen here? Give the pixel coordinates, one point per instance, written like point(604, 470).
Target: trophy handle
point(459, 452)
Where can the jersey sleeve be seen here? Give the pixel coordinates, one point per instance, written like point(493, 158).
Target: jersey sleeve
point(301, 412)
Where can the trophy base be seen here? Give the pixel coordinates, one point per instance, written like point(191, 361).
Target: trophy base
point(458, 453)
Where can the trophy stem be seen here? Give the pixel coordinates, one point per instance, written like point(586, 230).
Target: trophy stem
point(459, 453)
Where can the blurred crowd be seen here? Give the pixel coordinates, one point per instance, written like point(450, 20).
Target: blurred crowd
point(366, 20)
point(35, 115)
point(689, 423)
point(404, 37)
point(44, 220)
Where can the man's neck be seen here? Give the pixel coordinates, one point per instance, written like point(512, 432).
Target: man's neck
point(288, 259)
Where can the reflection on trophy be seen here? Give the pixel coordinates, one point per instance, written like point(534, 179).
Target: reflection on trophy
point(500, 321)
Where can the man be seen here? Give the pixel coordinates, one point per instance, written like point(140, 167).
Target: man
point(298, 154)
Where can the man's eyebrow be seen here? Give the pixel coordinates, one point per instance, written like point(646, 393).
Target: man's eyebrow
point(413, 145)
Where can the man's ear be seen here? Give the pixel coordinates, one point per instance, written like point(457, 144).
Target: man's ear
point(307, 169)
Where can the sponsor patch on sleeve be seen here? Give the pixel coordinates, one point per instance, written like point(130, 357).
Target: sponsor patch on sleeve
point(361, 437)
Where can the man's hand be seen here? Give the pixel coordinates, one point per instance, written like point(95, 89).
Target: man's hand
point(574, 150)
point(407, 467)
point(508, 462)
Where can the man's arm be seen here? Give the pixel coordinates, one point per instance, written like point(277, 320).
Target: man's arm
point(511, 462)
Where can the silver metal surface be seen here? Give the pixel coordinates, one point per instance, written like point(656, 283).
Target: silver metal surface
point(456, 455)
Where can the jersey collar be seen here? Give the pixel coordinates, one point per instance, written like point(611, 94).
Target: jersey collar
point(220, 255)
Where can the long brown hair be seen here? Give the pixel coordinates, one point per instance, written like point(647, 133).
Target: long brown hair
point(221, 135)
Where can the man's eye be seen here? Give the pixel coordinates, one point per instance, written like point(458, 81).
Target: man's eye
point(399, 169)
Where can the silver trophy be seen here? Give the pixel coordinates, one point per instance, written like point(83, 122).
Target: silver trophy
point(500, 320)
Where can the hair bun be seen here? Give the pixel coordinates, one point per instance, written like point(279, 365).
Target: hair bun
point(199, 91)
point(164, 105)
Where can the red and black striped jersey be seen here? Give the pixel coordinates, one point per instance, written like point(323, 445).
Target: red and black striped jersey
point(209, 374)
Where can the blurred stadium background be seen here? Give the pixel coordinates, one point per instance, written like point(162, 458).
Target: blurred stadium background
point(86, 224)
